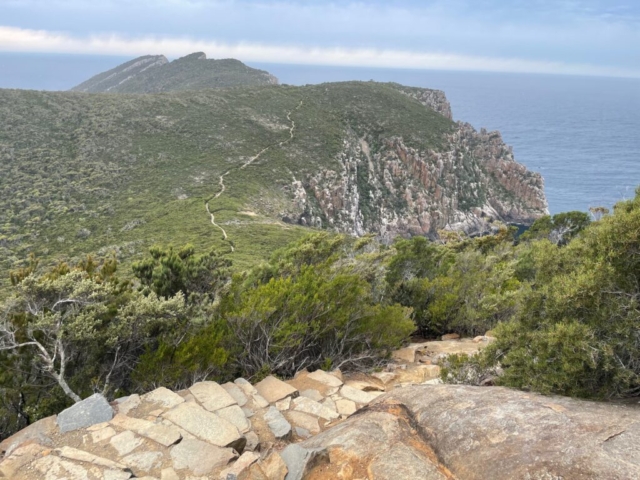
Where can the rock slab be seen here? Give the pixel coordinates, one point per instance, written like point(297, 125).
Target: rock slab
point(91, 410)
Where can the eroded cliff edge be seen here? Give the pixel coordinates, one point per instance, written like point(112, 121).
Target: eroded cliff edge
point(390, 189)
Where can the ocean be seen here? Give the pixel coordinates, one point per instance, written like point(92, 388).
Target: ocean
point(581, 133)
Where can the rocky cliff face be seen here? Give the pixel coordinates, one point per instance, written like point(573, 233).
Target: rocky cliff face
point(388, 188)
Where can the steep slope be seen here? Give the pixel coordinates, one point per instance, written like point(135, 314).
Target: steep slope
point(104, 173)
point(152, 74)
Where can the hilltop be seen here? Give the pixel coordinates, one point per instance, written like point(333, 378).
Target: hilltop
point(118, 173)
point(154, 73)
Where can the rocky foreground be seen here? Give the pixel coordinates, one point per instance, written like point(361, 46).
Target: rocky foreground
point(397, 424)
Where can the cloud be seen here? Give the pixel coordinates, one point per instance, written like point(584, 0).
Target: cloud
point(25, 40)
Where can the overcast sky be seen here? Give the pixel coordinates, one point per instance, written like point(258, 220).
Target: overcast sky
point(592, 37)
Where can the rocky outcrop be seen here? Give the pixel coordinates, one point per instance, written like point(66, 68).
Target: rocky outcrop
point(469, 184)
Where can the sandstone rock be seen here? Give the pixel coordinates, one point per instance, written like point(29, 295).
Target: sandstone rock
point(125, 442)
point(407, 355)
point(245, 386)
point(303, 420)
point(450, 336)
point(358, 396)
point(274, 467)
point(300, 460)
point(306, 405)
point(236, 416)
point(205, 425)
point(434, 381)
point(211, 396)
point(169, 474)
point(163, 396)
point(326, 378)
point(102, 434)
point(143, 461)
point(82, 456)
point(126, 404)
point(330, 404)
point(259, 400)
point(40, 432)
point(163, 434)
point(384, 377)
point(284, 404)
point(239, 466)
point(91, 410)
point(346, 407)
point(312, 394)
point(236, 392)
point(272, 389)
point(278, 425)
point(365, 386)
point(253, 442)
point(22, 455)
point(402, 462)
point(56, 468)
point(200, 458)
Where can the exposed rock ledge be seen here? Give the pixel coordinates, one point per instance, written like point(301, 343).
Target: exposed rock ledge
point(323, 426)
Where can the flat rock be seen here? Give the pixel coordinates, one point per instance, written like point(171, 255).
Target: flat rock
point(304, 420)
point(245, 386)
point(358, 396)
point(259, 400)
point(165, 435)
point(450, 336)
point(164, 397)
point(169, 474)
point(346, 407)
point(272, 389)
point(22, 455)
point(211, 396)
point(236, 392)
point(306, 405)
point(330, 404)
point(200, 458)
point(102, 434)
point(205, 425)
point(239, 466)
point(143, 462)
point(384, 377)
point(126, 404)
point(313, 394)
point(236, 416)
point(366, 386)
point(71, 453)
point(278, 425)
point(125, 442)
point(253, 442)
point(91, 410)
point(54, 468)
point(326, 378)
point(284, 404)
point(406, 355)
point(274, 467)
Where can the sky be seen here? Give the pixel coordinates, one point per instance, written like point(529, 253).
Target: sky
point(578, 37)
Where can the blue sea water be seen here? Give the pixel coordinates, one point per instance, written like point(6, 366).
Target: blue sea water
point(581, 133)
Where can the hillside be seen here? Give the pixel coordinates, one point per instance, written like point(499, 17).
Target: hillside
point(154, 73)
point(102, 173)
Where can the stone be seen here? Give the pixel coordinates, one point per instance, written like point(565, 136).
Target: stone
point(302, 432)
point(274, 467)
point(40, 432)
point(358, 396)
point(300, 461)
point(450, 336)
point(326, 378)
point(402, 462)
point(278, 425)
point(236, 392)
point(253, 442)
point(306, 405)
point(259, 400)
point(22, 455)
point(87, 412)
point(407, 355)
point(330, 404)
point(479, 339)
point(163, 434)
point(384, 377)
point(312, 394)
point(211, 396)
point(236, 416)
point(245, 386)
point(303, 420)
point(200, 458)
point(117, 475)
point(163, 396)
point(143, 461)
point(205, 425)
point(169, 474)
point(346, 407)
point(248, 412)
point(272, 389)
point(126, 404)
point(125, 442)
point(284, 404)
point(71, 453)
point(239, 466)
point(434, 381)
point(55, 468)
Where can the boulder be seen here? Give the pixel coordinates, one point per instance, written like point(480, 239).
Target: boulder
point(278, 425)
point(300, 461)
point(211, 396)
point(305, 421)
point(91, 410)
point(206, 426)
point(272, 389)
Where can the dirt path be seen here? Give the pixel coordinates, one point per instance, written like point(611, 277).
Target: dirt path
point(223, 188)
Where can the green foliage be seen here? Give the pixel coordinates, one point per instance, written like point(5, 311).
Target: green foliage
point(559, 229)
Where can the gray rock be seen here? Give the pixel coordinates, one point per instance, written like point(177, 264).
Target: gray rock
point(206, 426)
point(200, 458)
point(301, 461)
point(302, 432)
point(279, 425)
point(143, 461)
point(236, 392)
point(125, 442)
point(91, 410)
point(306, 405)
point(236, 416)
